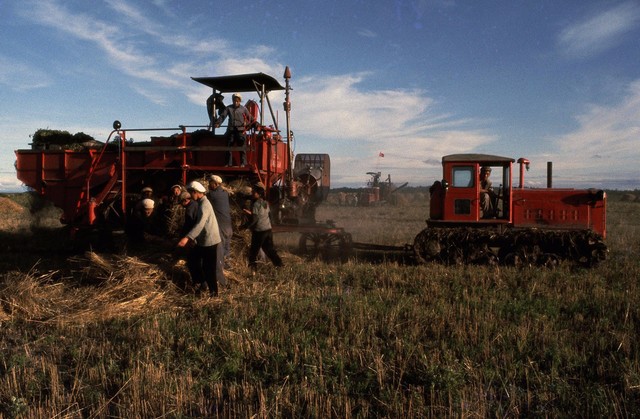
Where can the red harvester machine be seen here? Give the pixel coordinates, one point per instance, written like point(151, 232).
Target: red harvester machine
point(94, 185)
point(378, 192)
point(521, 226)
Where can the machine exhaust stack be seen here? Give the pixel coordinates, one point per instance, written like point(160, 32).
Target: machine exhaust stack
point(287, 110)
point(549, 174)
point(524, 163)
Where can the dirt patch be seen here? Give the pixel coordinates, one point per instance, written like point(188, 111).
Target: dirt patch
point(13, 216)
point(7, 206)
point(25, 211)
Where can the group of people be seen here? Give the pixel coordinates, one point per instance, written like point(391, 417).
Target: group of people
point(207, 229)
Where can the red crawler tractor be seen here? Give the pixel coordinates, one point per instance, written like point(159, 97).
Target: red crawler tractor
point(94, 184)
point(471, 222)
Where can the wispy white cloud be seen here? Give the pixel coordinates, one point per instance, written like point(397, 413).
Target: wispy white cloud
point(342, 110)
point(604, 146)
point(20, 76)
point(152, 96)
point(357, 124)
point(105, 35)
point(150, 52)
point(367, 33)
point(163, 5)
point(118, 39)
point(138, 19)
point(607, 134)
point(597, 33)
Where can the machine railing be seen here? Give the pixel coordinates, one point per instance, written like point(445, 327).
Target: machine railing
point(88, 199)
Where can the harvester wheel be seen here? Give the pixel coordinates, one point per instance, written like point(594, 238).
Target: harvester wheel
point(325, 245)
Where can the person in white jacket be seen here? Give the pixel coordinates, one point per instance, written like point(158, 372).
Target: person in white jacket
point(205, 238)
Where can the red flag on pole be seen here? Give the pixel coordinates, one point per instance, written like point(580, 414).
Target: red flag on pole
point(381, 154)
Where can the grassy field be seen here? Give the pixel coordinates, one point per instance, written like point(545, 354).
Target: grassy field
point(121, 335)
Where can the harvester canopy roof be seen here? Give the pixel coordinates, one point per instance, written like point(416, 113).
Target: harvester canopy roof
point(241, 82)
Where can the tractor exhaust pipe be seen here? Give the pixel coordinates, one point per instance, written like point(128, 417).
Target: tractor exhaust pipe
point(549, 174)
point(287, 110)
point(524, 163)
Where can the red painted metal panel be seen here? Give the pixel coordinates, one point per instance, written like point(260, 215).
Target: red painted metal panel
point(559, 208)
point(461, 196)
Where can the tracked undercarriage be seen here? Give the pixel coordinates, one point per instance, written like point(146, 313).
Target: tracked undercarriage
point(518, 247)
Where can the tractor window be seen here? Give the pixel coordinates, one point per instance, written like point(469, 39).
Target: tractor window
point(463, 177)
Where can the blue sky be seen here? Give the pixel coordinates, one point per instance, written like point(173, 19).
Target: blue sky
point(547, 80)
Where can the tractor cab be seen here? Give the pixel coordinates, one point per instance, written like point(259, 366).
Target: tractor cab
point(475, 188)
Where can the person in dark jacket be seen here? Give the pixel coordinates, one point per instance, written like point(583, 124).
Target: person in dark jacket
point(190, 212)
point(142, 222)
point(219, 199)
point(261, 234)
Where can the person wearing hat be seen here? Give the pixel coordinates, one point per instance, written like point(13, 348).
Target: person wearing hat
point(142, 222)
point(219, 198)
point(486, 192)
point(169, 211)
point(190, 212)
point(240, 119)
point(174, 194)
point(261, 234)
point(206, 237)
point(145, 193)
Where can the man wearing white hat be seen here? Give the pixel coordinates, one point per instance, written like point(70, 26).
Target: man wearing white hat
point(240, 120)
point(202, 260)
point(142, 222)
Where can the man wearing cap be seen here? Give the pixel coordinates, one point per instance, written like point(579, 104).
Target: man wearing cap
point(190, 212)
point(486, 192)
point(145, 193)
point(170, 211)
point(219, 199)
point(174, 194)
point(206, 236)
point(240, 120)
point(142, 221)
point(261, 234)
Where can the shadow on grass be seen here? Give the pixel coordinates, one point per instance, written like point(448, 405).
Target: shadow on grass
point(371, 255)
point(55, 248)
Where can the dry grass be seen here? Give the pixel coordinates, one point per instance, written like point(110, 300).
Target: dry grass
point(102, 335)
point(102, 287)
